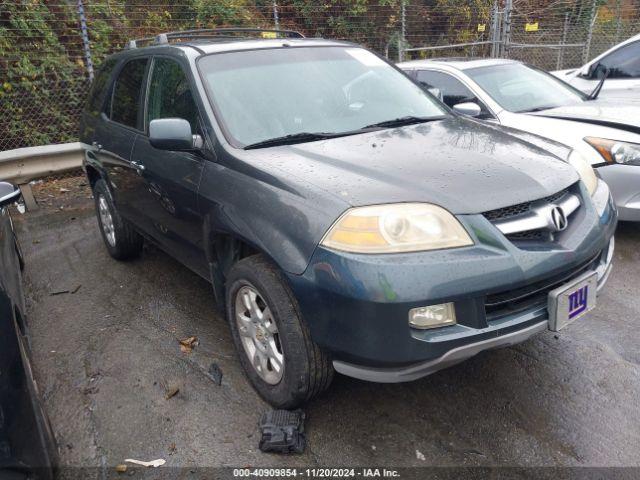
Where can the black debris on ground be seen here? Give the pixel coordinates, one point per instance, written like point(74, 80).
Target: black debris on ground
point(282, 432)
point(215, 373)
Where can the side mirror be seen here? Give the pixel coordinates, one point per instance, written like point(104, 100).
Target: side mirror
point(585, 71)
point(172, 134)
point(470, 109)
point(8, 194)
point(599, 71)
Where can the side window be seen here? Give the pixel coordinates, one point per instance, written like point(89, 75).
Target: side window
point(99, 86)
point(624, 62)
point(125, 100)
point(170, 94)
point(453, 90)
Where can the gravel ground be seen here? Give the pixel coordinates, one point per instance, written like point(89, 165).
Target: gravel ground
point(106, 347)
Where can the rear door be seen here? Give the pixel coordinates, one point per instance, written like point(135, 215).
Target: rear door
point(120, 126)
point(172, 178)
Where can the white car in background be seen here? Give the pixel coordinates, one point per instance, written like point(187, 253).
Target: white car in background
point(623, 78)
point(512, 94)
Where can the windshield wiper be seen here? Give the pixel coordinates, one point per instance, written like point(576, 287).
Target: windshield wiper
point(293, 138)
point(536, 109)
point(594, 95)
point(402, 121)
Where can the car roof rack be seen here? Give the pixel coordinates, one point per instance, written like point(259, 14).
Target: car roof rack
point(213, 34)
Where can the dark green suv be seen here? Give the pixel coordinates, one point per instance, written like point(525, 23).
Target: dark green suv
point(346, 218)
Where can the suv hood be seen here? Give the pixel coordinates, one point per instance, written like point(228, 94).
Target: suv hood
point(623, 117)
point(462, 165)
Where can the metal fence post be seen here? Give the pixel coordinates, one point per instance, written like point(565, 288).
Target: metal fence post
point(506, 38)
point(276, 20)
point(85, 40)
point(498, 38)
point(494, 28)
point(401, 40)
point(592, 21)
point(562, 44)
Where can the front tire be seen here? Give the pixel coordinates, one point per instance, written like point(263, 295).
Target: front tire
point(120, 238)
point(274, 346)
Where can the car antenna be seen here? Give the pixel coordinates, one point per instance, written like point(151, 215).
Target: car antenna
point(596, 91)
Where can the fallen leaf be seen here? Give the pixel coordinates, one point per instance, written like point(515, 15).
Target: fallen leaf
point(121, 468)
point(171, 392)
point(187, 344)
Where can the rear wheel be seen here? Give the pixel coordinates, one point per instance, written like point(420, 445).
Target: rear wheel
point(276, 351)
point(120, 238)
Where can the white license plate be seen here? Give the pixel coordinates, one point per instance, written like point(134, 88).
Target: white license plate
point(570, 302)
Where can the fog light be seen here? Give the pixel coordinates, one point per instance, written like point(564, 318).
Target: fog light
point(432, 316)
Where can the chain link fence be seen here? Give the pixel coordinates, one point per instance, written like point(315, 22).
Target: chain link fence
point(49, 49)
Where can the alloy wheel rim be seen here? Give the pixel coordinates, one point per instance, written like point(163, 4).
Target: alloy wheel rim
point(259, 335)
point(106, 220)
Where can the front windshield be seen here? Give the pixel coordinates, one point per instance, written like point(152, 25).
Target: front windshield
point(270, 93)
point(519, 88)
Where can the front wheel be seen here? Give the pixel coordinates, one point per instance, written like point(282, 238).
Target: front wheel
point(120, 238)
point(276, 351)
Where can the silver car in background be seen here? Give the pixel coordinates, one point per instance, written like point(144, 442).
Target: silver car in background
point(623, 79)
point(516, 95)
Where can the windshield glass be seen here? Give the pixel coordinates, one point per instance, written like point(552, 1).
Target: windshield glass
point(264, 94)
point(519, 88)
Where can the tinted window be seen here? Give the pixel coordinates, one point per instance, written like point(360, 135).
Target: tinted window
point(624, 62)
point(126, 93)
point(169, 93)
point(99, 86)
point(520, 88)
point(453, 90)
point(269, 93)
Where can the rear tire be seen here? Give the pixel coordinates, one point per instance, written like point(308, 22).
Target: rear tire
point(276, 335)
point(120, 238)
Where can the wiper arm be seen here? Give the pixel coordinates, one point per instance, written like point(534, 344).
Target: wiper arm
point(292, 139)
point(537, 109)
point(402, 121)
point(594, 95)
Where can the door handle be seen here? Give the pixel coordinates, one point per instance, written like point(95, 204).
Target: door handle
point(138, 166)
point(97, 145)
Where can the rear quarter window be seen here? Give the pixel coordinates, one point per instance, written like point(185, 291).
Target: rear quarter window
point(127, 91)
point(99, 87)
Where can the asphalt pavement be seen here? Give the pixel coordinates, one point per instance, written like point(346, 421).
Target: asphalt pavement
point(105, 337)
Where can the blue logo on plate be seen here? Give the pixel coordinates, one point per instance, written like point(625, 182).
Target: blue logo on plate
point(578, 301)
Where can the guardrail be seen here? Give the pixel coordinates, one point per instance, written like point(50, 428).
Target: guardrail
point(22, 165)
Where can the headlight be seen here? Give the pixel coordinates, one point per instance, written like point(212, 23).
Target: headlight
point(401, 227)
point(585, 170)
point(616, 152)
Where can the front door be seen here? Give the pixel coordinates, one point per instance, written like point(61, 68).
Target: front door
point(119, 127)
point(172, 178)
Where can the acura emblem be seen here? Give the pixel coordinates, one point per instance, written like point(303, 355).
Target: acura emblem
point(558, 218)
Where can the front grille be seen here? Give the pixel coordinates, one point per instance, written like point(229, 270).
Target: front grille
point(515, 210)
point(529, 235)
point(499, 304)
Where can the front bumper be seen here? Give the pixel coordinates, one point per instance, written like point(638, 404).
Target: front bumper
point(356, 306)
point(456, 355)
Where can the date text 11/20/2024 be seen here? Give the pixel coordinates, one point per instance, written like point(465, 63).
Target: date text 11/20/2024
point(316, 472)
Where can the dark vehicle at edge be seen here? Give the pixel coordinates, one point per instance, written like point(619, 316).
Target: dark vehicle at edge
point(346, 219)
point(27, 445)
